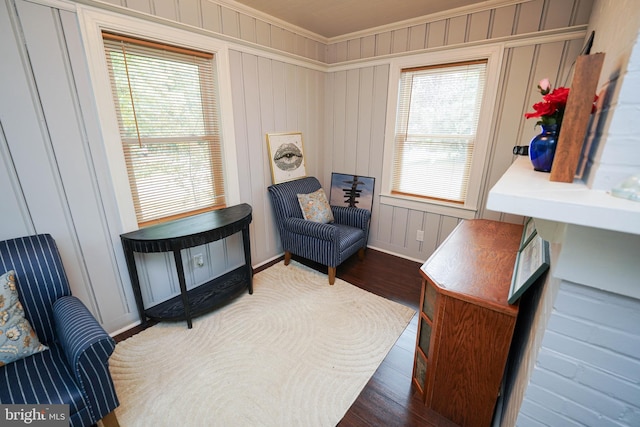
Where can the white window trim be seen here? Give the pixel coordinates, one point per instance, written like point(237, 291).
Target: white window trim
point(92, 23)
point(493, 54)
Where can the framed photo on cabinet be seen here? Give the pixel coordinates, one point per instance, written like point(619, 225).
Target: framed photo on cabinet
point(531, 262)
point(528, 232)
point(286, 156)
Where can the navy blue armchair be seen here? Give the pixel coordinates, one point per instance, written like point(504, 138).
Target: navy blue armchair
point(328, 244)
point(74, 370)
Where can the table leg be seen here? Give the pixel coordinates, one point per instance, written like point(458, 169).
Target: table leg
point(247, 255)
point(177, 255)
point(135, 282)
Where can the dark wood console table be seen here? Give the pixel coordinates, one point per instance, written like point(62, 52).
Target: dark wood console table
point(185, 233)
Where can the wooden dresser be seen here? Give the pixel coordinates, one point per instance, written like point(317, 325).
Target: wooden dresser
point(466, 324)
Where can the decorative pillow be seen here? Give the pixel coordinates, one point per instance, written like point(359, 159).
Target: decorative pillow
point(17, 338)
point(315, 207)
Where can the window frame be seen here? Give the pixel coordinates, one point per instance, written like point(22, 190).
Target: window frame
point(92, 23)
point(493, 55)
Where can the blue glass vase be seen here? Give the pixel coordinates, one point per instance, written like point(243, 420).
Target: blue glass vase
point(542, 148)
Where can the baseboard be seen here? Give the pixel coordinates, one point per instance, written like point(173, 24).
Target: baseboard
point(421, 261)
point(268, 262)
point(125, 329)
point(275, 259)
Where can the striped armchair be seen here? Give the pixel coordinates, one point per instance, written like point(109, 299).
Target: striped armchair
point(74, 370)
point(327, 244)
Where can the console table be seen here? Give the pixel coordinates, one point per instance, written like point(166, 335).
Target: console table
point(185, 233)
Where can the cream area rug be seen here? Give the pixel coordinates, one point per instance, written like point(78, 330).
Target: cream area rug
point(295, 353)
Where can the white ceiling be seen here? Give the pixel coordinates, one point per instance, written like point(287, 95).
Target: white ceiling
point(332, 18)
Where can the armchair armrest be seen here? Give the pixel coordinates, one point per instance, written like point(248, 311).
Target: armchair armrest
point(310, 228)
point(87, 348)
point(355, 217)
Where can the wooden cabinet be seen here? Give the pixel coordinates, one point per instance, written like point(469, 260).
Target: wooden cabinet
point(466, 325)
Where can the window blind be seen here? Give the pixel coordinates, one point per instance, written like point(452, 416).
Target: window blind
point(167, 110)
point(436, 124)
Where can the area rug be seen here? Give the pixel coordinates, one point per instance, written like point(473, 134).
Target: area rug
point(295, 353)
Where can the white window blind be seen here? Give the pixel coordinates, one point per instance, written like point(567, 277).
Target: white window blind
point(167, 109)
point(436, 125)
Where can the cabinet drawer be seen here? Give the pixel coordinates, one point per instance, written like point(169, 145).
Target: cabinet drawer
point(429, 302)
point(425, 336)
point(420, 372)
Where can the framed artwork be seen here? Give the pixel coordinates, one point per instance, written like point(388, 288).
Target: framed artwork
point(586, 50)
point(531, 262)
point(528, 232)
point(286, 156)
point(351, 190)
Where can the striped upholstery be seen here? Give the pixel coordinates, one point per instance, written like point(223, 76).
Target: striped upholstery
point(327, 244)
point(74, 370)
point(36, 262)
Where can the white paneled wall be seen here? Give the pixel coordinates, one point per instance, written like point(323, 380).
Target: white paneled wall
point(271, 96)
point(57, 180)
point(355, 94)
point(52, 186)
point(54, 176)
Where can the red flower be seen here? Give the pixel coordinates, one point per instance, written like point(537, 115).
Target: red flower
point(551, 109)
point(542, 109)
point(558, 96)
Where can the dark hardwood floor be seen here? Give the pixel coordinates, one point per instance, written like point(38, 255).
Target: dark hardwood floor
point(388, 399)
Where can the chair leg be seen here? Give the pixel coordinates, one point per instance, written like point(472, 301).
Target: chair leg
point(110, 420)
point(361, 254)
point(332, 275)
point(287, 257)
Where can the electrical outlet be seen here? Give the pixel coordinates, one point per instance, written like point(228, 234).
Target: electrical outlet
point(420, 235)
point(198, 260)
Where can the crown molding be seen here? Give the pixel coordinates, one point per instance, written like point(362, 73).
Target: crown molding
point(451, 13)
point(254, 13)
point(233, 43)
point(56, 4)
point(528, 39)
point(276, 54)
point(438, 16)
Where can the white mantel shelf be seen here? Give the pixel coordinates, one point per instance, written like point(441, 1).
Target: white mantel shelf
point(523, 191)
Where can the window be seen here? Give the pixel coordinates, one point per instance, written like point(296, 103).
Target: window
point(436, 124)
point(167, 112)
point(438, 128)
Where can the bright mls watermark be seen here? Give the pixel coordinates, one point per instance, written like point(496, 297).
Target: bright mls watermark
point(34, 415)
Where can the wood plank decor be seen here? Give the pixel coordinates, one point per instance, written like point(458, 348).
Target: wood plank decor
point(576, 117)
